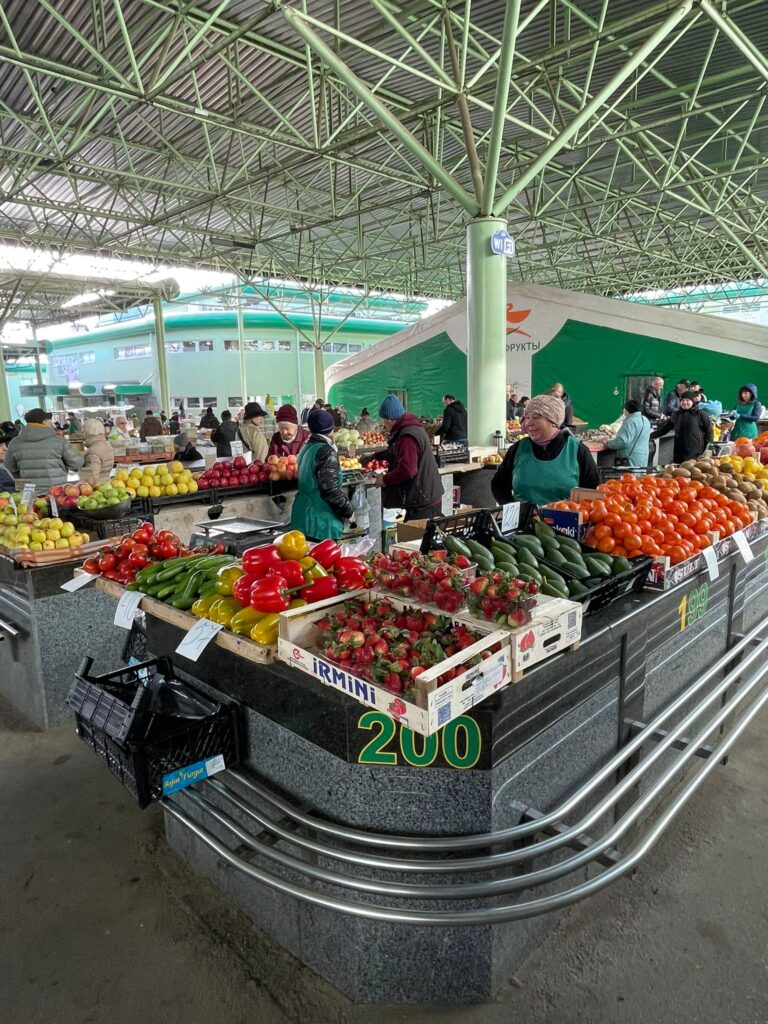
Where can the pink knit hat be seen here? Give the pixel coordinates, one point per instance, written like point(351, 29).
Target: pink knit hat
point(548, 407)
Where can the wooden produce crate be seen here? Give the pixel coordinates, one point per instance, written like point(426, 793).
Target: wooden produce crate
point(555, 626)
point(34, 558)
point(241, 645)
point(434, 706)
point(147, 458)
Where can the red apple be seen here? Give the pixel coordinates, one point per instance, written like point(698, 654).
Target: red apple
point(86, 490)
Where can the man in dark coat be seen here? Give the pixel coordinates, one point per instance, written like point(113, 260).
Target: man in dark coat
point(672, 399)
point(412, 481)
point(650, 406)
point(692, 427)
point(454, 426)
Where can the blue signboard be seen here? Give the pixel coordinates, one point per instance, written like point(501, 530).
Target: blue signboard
point(502, 243)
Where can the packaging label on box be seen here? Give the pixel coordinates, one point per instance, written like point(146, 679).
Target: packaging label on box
point(183, 777)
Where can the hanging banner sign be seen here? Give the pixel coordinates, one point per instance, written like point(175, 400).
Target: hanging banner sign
point(502, 243)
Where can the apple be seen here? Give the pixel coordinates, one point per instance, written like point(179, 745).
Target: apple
point(72, 490)
point(67, 530)
point(57, 490)
point(272, 460)
point(239, 462)
point(70, 502)
point(48, 545)
point(86, 490)
point(62, 542)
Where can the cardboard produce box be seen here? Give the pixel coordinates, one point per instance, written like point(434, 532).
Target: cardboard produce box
point(433, 706)
point(413, 530)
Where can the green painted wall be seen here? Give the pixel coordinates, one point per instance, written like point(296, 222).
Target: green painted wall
point(591, 361)
point(426, 372)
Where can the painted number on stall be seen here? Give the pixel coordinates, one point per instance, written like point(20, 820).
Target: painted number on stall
point(693, 605)
point(460, 740)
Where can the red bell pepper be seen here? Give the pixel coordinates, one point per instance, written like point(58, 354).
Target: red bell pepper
point(350, 579)
point(351, 563)
point(270, 595)
point(258, 561)
point(241, 591)
point(318, 590)
point(326, 553)
point(290, 571)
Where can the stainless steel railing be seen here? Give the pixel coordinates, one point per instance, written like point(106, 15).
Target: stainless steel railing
point(333, 841)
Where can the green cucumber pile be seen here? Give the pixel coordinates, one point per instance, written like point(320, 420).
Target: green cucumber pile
point(550, 559)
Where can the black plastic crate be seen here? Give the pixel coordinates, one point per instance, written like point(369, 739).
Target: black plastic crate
point(151, 506)
point(145, 726)
point(221, 494)
point(104, 528)
point(450, 454)
point(617, 472)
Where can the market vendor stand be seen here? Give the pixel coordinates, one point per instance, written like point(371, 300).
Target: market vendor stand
point(274, 833)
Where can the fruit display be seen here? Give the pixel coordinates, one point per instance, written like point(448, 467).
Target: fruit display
point(373, 439)
point(392, 646)
point(346, 437)
point(24, 530)
point(740, 479)
point(514, 424)
point(145, 549)
point(493, 460)
point(598, 435)
point(238, 473)
point(502, 598)
point(377, 465)
point(349, 463)
point(166, 479)
point(437, 578)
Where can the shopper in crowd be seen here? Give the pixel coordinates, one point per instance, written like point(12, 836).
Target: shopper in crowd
point(163, 417)
point(99, 453)
point(511, 402)
point(343, 416)
point(121, 431)
point(18, 424)
point(696, 389)
point(672, 399)
point(545, 465)
point(321, 505)
point(746, 414)
point(290, 437)
point(692, 427)
point(412, 481)
point(7, 482)
point(650, 406)
point(251, 431)
point(209, 421)
point(521, 407)
point(8, 430)
point(151, 427)
point(174, 426)
point(224, 435)
point(184, 450)
point(366, 424)
point(454, 427)
point(37, 454)
point(632, 441)
point(559, 392)
point(74, 425)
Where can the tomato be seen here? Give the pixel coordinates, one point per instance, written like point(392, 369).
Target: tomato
point(688, 519)
point(620, 551)
point(621, 531)
point(167, 550)
point(143, 534)
point(137, 561)
point(168, 535)
point(650, 547)
point(91, 565)
point(107, 563)
point(628, 517)
point(126, 547)
point(612, 520)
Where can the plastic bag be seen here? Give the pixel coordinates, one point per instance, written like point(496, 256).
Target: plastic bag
point(358, 548)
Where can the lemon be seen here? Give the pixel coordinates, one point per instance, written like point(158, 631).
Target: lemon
point(192, 486)
point(177, 467)
point(182, 488)
point(155, 492)
point(142, 491)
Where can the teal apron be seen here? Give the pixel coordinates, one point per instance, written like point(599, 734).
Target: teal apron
point(542, 482)
point(744, 428)
point(311, 513)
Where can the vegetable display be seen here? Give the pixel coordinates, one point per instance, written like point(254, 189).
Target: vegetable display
point(134, 558)
point(437, 578)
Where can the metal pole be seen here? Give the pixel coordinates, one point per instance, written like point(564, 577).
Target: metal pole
point(38, 371)
point(298, 372)
point(161, 355)
point(241, 344)
point(590, 109)
point(486, 336)
point(737, 37)
point(319, 371)
point(5, 398)
point(509, 39)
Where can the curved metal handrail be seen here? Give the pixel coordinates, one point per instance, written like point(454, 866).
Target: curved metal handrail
point(513, 912)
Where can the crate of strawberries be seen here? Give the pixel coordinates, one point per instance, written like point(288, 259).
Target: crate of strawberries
point(438, 578)
point(420, 667)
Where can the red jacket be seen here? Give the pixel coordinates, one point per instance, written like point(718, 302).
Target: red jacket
point(277, 446)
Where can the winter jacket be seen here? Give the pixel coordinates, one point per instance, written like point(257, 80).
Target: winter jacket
point(99, 459)
point(568, 421)
point(366, 425)
point(651, 405)
point(747, 414)
point(631, 442)
point(671, 402)
point(223, 436)
point(151, 427)
point(693, 432)
point(279, 447)
point(320, 507)
point(254, 439)
point(501, 484)
point(173, 425)
point(38, 454)
point(208, 421)
point(7, 483)
point(454, 426)
point(413, 480)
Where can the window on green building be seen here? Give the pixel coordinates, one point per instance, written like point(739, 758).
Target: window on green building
point(231, 346)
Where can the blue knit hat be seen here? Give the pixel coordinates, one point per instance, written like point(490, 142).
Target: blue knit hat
point(320, 422)
point(391, 408)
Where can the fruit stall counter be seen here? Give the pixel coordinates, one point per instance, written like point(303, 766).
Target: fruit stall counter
point(519, 753)
point(43, 633)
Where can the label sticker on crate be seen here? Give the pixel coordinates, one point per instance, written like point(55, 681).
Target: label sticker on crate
point(711, 561)
point(127, 607)
point(198, 638)
point(510, 516)
point(183, 777)
point(78, 581)
point(742, 544)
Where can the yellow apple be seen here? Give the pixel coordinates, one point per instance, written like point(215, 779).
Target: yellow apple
point(67, 530)
point(62, 542)
point(48, 545)
point(53, 534)
point(37, 536)
point(35, 546)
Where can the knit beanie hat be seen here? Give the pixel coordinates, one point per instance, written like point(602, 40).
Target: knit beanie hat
point(391, 408)
point(548, 407)
point(320, 422)
point(688, 394)
point(287, 414)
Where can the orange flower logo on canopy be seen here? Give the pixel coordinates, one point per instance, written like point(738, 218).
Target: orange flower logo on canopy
point(516, 317)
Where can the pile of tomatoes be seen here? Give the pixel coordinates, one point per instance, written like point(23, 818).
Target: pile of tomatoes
point(652, 516)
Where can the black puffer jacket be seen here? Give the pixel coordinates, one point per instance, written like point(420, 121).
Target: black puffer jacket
point(693, 432)
point(651, 407)
point(454, 426)
point(327, 473)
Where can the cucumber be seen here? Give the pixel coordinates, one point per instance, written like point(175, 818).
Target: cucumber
point(601, 556)
point(543, 530)
point(525, 540)
point(530, 575)
point(525, 557)
point(579, 571)
point(620, 564)
point(552, 591)
point(568, 543)
point(576, 589)
point(596, 567)
point(507, 565)
point(553, 577)
point(556, 557)
point(481, 555)
point(501, 545)
point(456, 545)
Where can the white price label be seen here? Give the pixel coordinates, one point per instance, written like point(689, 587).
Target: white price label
point(742, 544)
point(711, 561)
point(13, 505)
point(198, 638)
point(77, 582)
point(510, 516)
point(28, 495)
point(127, 607)
point(54, 507)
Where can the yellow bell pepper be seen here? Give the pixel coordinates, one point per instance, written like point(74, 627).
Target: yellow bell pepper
point(265, 632)
point(202, 606)
point(292, 545)
point(312, 569)
point(224, 610)
point(299, 602)
point(245, 620)
point(226, 579)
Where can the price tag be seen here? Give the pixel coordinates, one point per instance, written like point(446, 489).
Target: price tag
point(510, 516)
point(711, 561)
point(28, 495)
point(198, 638)
point(127, 607)
point(742, 544)
point(13, 506)
point(77, 582)
point(54, 507)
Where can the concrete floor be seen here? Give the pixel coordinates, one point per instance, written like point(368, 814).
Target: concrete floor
point(100, 923)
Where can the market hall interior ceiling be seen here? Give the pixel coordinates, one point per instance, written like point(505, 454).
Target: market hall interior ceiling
point(350, 141)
